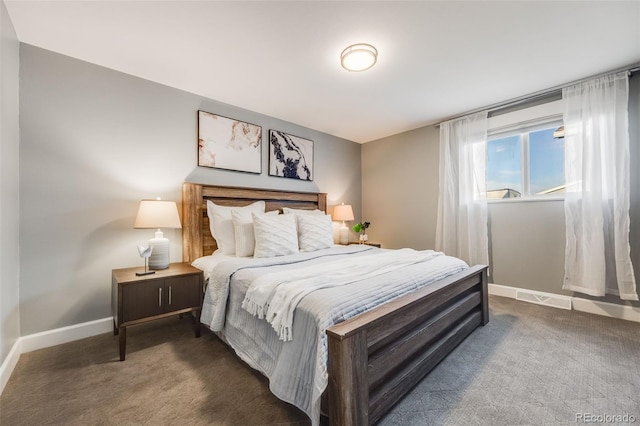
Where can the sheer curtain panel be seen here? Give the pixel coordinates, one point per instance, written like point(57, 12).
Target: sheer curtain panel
point(462, 204)
point(597, 260)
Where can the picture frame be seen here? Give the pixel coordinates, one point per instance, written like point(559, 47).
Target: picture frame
point(229, 144)
point(290, 156)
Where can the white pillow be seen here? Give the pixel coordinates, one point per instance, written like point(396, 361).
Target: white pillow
point(221, 225)
point(275, 235)
point(315, 232)
point(287, 210)
point(243, 229)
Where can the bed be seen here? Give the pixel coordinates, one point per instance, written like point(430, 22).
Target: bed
point(375, 357)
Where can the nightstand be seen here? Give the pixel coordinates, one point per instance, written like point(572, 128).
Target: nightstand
point(368, 244)
point(137, 299)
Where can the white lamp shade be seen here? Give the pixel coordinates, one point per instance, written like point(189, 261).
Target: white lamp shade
point(158, 214)
point(343, 212)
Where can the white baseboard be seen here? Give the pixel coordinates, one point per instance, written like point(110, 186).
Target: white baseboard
point(62, 335)
point(9, 364)
point(612, 310)
point(607, 309)
point(50, 338)
point(503, 290)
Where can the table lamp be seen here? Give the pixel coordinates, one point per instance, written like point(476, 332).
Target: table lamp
point(158, 214)
point(343, 212)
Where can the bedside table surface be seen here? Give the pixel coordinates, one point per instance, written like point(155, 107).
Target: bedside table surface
point(378, 245)
point(126, 275)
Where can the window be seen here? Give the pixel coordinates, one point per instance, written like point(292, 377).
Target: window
point(527, 164)
point(504, 167)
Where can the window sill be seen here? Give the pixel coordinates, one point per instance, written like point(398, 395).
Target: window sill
point(525, 200)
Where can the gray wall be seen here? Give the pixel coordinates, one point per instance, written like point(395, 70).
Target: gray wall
point(526, 245)
point(94, 142)
point(9, 144)
point(400, 196)
point(400, 188)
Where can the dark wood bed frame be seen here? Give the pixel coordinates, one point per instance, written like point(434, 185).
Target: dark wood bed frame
point(378, 356)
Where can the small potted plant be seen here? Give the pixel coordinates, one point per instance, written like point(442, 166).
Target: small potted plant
point(361, 228)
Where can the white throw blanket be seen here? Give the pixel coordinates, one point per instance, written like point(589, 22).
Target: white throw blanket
point(275, 296)
point(215, 304)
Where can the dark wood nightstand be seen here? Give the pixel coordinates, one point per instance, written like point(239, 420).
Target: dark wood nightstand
point(137, 299)
point(368, 244)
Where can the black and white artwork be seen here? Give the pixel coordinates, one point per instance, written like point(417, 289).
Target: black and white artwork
point(290, 156)
point(224, 143)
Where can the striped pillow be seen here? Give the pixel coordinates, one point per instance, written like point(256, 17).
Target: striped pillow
point(314, 232)
point(288, 210)
point(275, 235)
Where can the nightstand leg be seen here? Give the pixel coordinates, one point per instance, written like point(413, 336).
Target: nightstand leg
point(115, 328)
point(197, 315)
point(123, 342)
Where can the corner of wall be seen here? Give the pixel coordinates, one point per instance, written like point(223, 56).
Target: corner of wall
point(9, 364)
point(9, 176)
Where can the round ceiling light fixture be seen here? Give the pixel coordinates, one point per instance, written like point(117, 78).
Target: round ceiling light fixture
point(358, 57)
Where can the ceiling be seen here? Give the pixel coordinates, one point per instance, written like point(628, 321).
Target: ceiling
point(436, 59)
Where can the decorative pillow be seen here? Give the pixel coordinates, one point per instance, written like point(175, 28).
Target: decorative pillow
point(275, 235)
point(287, 210)
point(221, 225)
point(315, 232)
point(243, 229)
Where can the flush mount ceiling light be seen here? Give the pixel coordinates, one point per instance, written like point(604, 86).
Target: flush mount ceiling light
point(358, 57)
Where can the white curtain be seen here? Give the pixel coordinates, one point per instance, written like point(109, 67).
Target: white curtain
point(462, 204)
point(597, 260)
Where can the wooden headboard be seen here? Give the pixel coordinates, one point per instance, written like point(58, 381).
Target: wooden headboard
point(196, 236)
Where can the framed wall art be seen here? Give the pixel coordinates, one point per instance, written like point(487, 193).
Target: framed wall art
point(225, 143)
point(290, 156)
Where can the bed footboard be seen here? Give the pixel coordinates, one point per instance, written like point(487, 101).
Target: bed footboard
point(380, 355)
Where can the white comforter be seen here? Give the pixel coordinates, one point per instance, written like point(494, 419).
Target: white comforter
point(297, 369)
